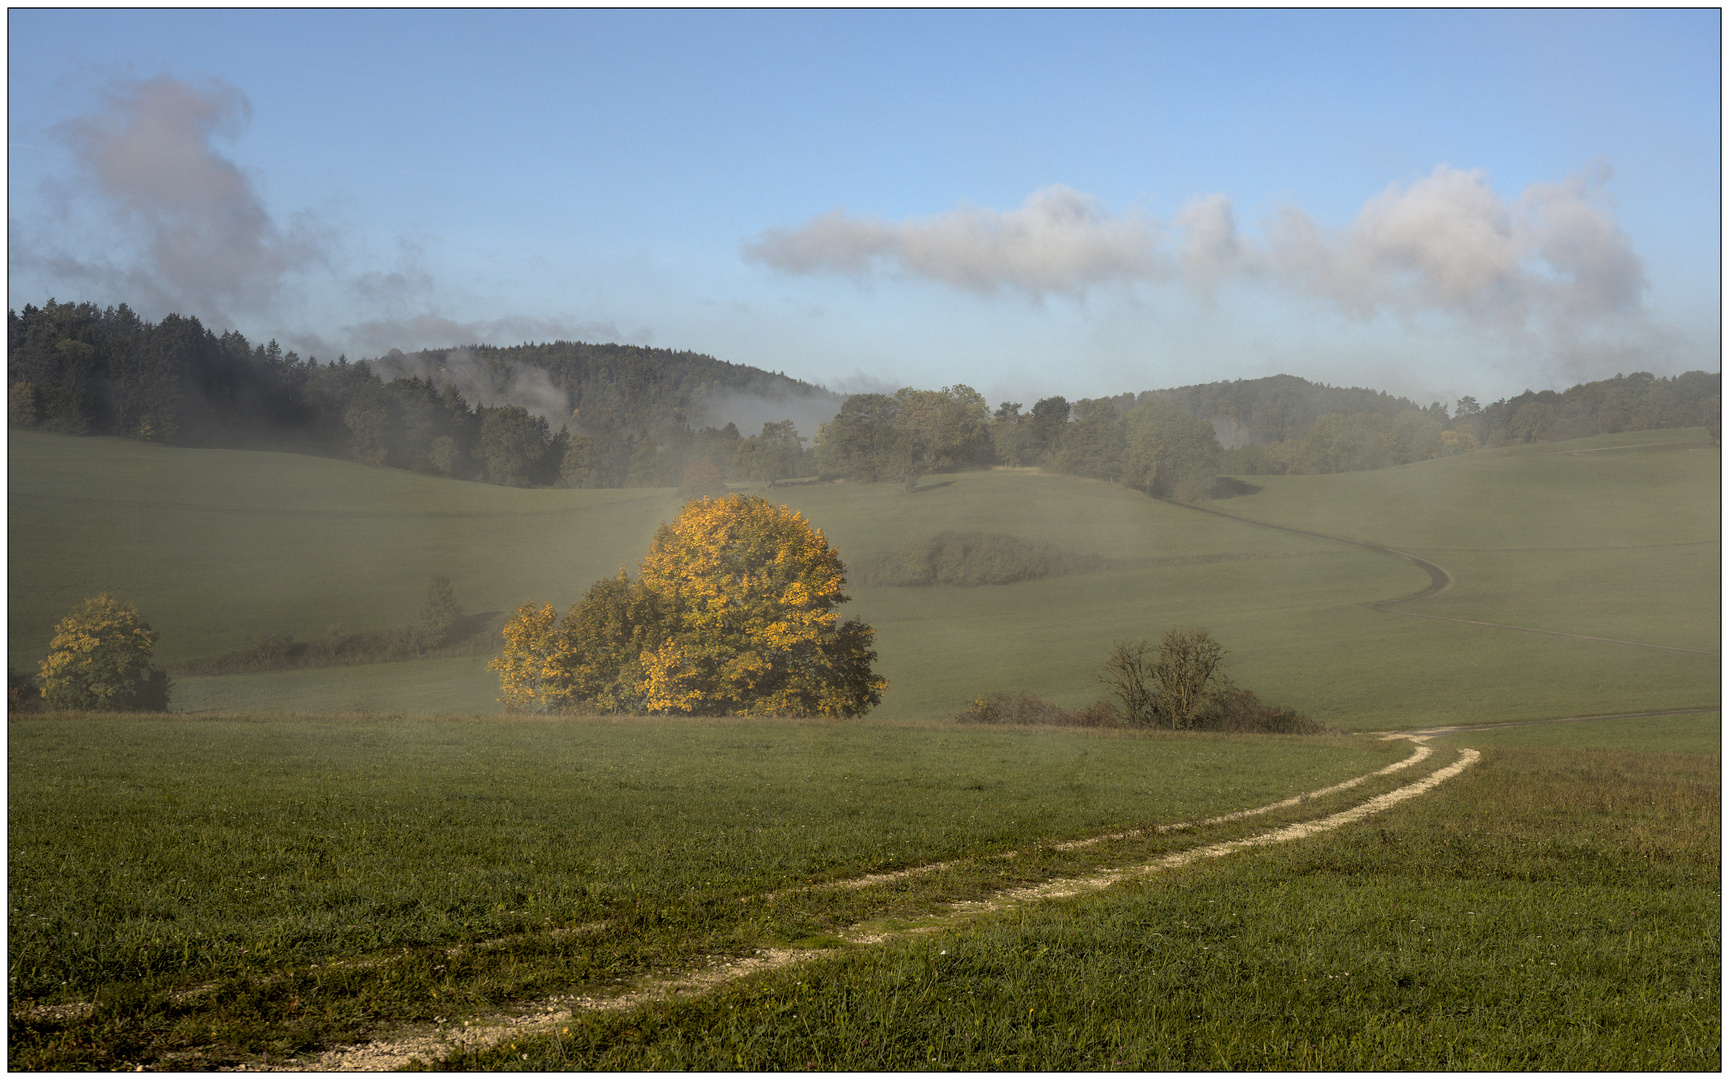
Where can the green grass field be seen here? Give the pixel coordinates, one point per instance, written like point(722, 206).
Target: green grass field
point(217, 547)
point(1549, 909)
point(261, 854)
point(205, 890)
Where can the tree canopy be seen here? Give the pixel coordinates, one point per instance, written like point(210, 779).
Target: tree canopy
point(99, 658)
point(733, 612)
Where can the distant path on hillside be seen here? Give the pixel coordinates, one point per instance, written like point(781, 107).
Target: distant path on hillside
point(1440, 580)
point(1454, 729)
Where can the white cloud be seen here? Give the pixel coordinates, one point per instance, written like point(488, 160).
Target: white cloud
point(200, 238)
point(1212, 248)
point(1058, 241)
point(160, 218)
point(1447, 244)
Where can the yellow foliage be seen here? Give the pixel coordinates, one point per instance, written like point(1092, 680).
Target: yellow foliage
point(99, 658)
point(531, 668)
point(733, 613)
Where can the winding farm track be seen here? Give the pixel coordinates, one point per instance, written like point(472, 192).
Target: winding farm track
point(1440, 580)
point(542, 1017)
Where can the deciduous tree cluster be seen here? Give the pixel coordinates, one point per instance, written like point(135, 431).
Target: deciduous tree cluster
point(733, 612)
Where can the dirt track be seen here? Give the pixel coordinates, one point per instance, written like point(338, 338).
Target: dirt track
point(432, 1044)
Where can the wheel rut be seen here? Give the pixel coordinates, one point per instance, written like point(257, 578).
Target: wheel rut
point(431, 1045)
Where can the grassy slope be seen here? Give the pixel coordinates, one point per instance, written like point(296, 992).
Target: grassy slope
point(1618, 543)
point(1605, 536)
point(218, 545)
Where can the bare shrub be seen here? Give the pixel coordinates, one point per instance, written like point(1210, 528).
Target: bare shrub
point(1128, 674)
point(1170, 687)
point(1183, 675)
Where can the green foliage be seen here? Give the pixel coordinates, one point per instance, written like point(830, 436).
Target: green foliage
point(99, 659)
point(1049, 420)
point(970, 558)
point(440, 614)
point(1325, 430)
point(517, 447)
point(862, 441)
point(1093, 445)
point(876, 437)
point(1168, 453)
point(775, 455)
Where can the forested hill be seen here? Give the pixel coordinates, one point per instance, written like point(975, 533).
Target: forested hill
point(1279, 407)
point(566, 412)
point(605, 387)
point(1286, 424)
point(599, 415)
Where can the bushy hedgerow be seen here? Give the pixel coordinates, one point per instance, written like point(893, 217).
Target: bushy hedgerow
point(970, 558)
point(1234, 709)
point(1024, 708)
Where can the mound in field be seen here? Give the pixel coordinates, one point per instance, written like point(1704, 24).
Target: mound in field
point(971, 558)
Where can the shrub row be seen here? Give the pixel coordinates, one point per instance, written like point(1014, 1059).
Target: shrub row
point(970, 558)
point(1231, 710)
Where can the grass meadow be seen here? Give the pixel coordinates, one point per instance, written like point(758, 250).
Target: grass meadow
point(310, 874)
point(1553, 908)
point(319, 856)
point(1595, 538)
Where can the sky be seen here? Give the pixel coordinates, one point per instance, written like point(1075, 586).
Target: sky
point(1432, 203)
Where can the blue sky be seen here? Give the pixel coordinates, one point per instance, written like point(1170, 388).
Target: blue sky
point(1029, 202)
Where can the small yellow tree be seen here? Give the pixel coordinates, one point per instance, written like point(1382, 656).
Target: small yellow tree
point(532, 668)
point(99, 658)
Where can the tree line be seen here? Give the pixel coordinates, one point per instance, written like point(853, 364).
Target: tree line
point(637, 416)
point(1152, 447)
point(79, 369)
point(1168, 442)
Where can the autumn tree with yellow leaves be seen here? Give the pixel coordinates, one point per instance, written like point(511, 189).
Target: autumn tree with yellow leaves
point(99, 658)
point(733, 612)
